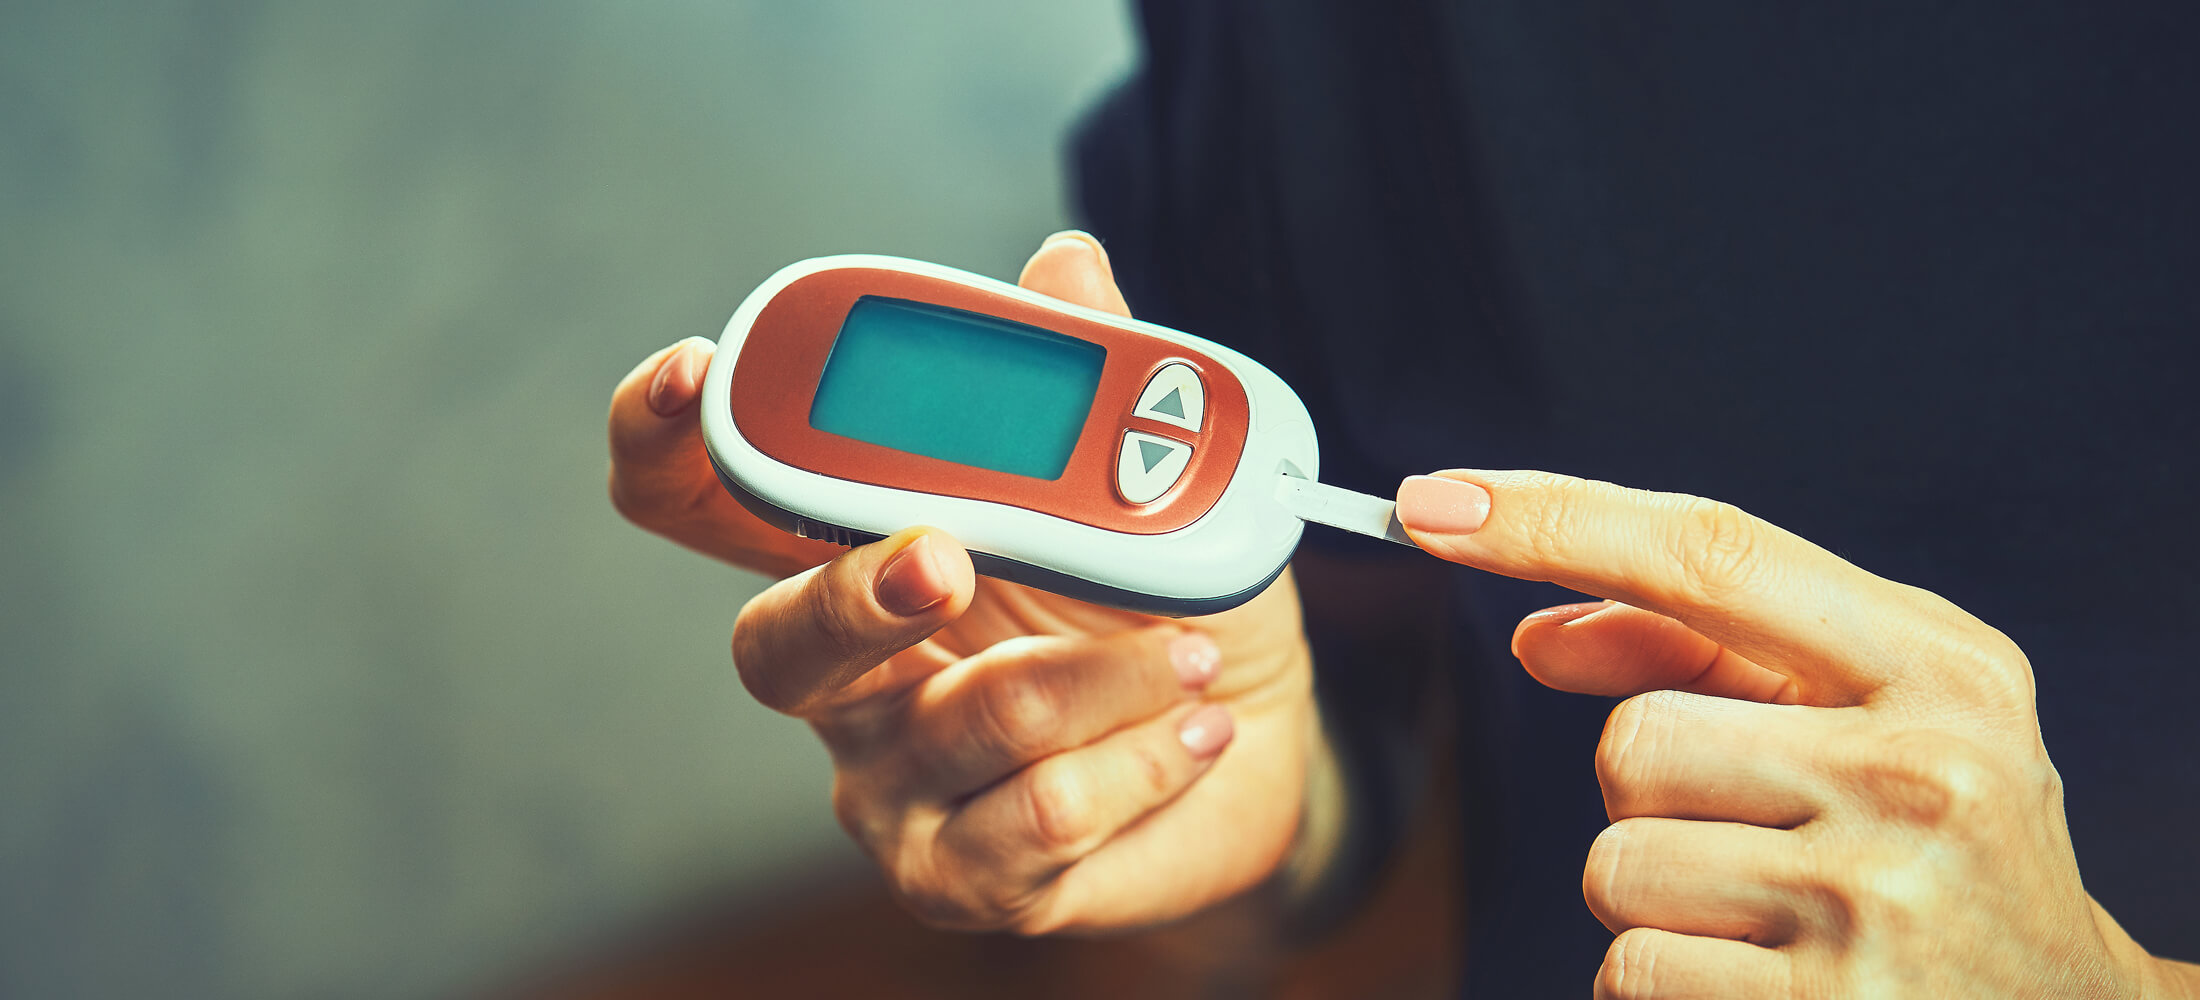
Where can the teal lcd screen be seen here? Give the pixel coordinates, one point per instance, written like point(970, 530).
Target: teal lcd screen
point(956, 385)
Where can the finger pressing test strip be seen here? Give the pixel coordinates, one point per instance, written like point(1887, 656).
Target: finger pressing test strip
point(1080, 452)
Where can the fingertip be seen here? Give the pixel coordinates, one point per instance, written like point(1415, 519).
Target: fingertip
point(1195, 657)
point(1062, 258)
point(1534, 626)
point(1565, 647)
point(1441, 506)
point(953, 563)
point(929, 571)
point(656, 461)
point(1072, 266)
point(1077, 236)
point(1207, 731)
point(679, 377)
point(910, 581)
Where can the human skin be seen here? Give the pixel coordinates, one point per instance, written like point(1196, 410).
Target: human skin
point(1012, 759)
point(1825, 783)
point(1828, 784)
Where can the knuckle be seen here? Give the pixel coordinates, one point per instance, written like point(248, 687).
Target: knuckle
point(1932, 780)
point(1059, 813)
point(1016, 713)
point(1885, 893)
point(857, 815)
point(1969, 654)
point(1156, 777)
point(1993, 665)
point(1716, 547)
point(1627, 752)
point(1600, 874)
point(1556, 520)
point(1630, 967)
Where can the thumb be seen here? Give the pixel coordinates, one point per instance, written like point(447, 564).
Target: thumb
point(1072, 266)
point(1608, 648)
point(810, 641)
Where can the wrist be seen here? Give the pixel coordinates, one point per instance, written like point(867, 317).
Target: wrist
point(2168, 979)
point(1357, 803)
point(1324, 822)
point(1373, 631)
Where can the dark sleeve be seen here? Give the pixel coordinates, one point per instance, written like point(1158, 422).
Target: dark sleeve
point(1167, 174)
point(1284, 176)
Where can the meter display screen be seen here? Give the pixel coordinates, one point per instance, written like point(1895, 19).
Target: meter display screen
point(957, 386)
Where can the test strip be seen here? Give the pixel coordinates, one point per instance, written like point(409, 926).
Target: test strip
point(1374, 517)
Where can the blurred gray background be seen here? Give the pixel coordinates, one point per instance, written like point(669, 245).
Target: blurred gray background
point(325, 667)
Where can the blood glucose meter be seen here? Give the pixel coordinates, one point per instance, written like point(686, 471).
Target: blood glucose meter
point(1080, 452)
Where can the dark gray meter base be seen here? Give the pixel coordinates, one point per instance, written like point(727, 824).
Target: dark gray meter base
point(1001, 568)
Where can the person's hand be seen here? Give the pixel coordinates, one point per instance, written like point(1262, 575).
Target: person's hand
point(1835, 785)
point(1011, 758)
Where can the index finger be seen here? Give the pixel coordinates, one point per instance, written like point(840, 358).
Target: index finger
point(661, 478)
point(1752, 586)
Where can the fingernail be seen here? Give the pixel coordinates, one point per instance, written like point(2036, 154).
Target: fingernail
point(1089, 241)
point(1442, 506)
point(680, 377)
point(1565, 613)
point(1206, 731)
point(1196, 658)
point(912, 580)
point(1551, 618)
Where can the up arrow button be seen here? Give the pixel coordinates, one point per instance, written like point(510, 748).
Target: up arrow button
point(1147, 465)
point(1173, 396)
point(1171, 404)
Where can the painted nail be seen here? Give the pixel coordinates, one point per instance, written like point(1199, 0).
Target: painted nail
point(680, 377)
point(912, 580)
point(1206, 731)
point(1442, 506)
point(1196, 658)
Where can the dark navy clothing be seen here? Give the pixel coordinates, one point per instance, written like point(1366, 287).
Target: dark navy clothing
point(1920, 282)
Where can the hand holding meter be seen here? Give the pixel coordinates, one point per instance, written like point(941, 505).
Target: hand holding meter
point(1095, 456)
point(1180, 754)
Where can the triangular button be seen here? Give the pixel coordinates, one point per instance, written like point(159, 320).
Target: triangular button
point(1152, 454)
point(1171, 404)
